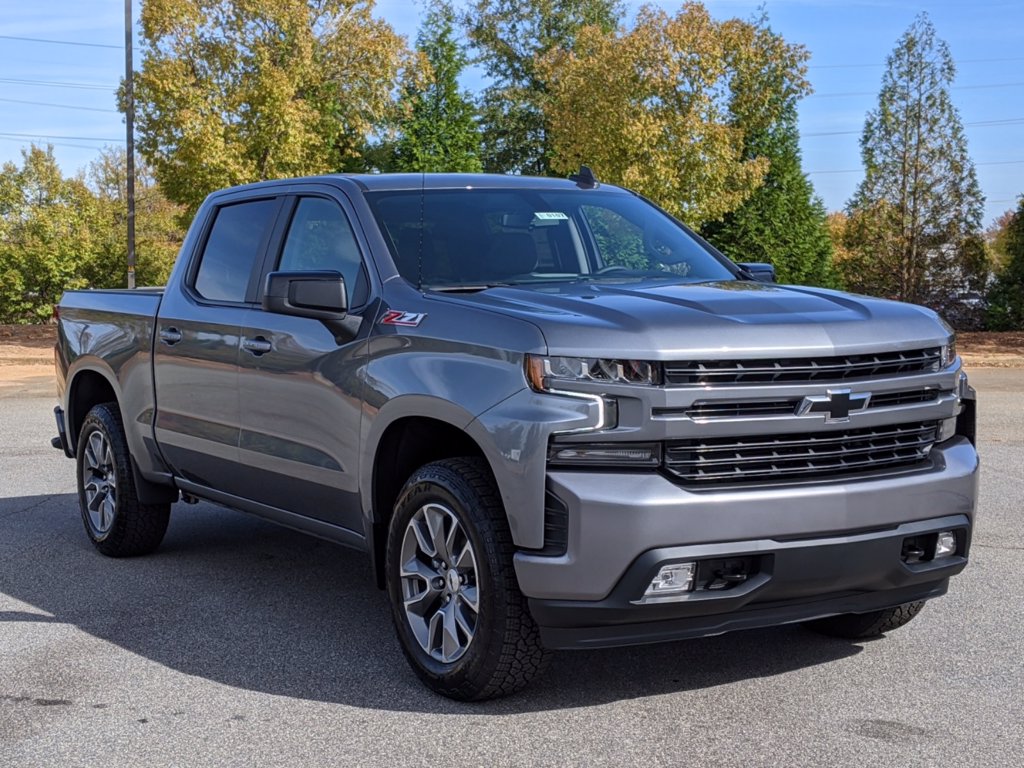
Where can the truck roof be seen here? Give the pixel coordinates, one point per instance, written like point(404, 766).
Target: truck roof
point(413, 181)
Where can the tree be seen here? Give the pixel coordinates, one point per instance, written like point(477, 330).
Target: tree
point(782, 223)
point(233, 91)
point(510, 36)
point(440, 132)
point(1006, 299)
point(46, 235)
point(996, 239)
point(159, 227)
point(665, 107)
point(916, 216)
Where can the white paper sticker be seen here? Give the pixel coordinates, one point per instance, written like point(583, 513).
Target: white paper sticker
point(550, 216)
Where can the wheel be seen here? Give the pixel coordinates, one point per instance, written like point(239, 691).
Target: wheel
point(463, 624)
point(861, 626)
point(118, 524)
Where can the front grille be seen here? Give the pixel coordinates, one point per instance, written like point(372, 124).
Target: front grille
point(778, 458)
point(799, 370)
point(746, 409)
point(742, 410)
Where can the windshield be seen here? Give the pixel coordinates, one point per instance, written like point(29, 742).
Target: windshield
point(466, 239)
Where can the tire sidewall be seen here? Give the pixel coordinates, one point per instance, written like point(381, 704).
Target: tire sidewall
point(479, 655)
point(95, 422)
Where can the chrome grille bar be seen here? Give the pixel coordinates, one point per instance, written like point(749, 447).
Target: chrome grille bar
point(781, 457)
point(821, 369)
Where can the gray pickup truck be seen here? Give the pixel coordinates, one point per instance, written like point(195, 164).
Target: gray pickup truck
point(552, 415)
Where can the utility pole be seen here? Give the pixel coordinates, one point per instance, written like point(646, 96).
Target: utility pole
point(129, 121)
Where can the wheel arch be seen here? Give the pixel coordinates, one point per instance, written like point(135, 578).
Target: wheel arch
point(90, 386)
point(404, 445)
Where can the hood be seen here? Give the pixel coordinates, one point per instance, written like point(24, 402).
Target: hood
point(654, 321)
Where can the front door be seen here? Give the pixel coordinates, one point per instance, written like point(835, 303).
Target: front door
point(299, 379)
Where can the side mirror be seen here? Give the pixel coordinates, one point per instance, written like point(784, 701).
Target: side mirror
point(763, 273)
point(320, 295)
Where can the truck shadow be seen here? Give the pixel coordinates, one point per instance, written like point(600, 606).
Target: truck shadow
point(244, 603)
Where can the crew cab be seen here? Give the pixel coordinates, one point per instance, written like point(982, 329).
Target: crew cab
point(551, 415)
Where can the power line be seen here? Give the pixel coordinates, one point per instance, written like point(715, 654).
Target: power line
point(875, 93)
point(884, 64)
point(58, 84)
point(61, 42)
point(58, 106)
point(53, 143)
point(58, 138)
point(988, 162)
point(976, 124)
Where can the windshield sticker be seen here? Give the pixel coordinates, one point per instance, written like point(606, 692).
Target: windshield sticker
point(550, 216)
point(398, 317)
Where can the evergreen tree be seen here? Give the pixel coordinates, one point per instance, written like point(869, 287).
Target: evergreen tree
point(915, 219)
point(509, 36)
point(440, 130)
point(782, 223)
point(1006, 299)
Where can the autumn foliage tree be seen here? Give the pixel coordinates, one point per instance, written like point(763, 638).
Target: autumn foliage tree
point(915, 219)
point(59, 233)
point(782, 222)
point(510, 36)
point(159, 231)
point(665, 106)
point(233, 91)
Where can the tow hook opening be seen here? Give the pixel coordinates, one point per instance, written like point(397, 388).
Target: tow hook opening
point(724, 574)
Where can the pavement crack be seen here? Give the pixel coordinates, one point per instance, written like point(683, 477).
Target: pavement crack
point(30, 507)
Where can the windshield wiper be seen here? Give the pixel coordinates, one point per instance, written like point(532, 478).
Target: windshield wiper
point(474, 288)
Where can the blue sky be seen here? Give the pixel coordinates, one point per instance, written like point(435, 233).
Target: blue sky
point(848, 42)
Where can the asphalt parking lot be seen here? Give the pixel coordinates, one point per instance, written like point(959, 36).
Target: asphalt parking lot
point(242, 644)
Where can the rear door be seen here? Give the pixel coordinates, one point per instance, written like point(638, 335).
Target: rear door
point(197, 344)
point(300, 379)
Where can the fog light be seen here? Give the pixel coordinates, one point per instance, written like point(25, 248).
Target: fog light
point(945, 545)
point(605, 454)
point(673, 582)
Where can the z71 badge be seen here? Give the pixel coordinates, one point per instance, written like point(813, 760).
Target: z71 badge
point(398, 317)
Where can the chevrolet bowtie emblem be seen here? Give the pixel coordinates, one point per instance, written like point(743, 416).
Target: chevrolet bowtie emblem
point(836, 405)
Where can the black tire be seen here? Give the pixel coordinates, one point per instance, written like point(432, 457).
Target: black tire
point(127, 527)
point(504, 653)
point(862, 626)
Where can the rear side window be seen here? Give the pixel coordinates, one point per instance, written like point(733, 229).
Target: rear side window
point(232, 249)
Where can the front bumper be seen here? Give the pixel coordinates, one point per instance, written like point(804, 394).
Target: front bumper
point(830, 548)
point(613, 518)
point(793, 581)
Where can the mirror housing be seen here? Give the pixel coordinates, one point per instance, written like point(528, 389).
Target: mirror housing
point(763, 273)
point(320, 295)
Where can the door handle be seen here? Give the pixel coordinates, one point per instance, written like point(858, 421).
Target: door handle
point(170, 336)
point(258, 346)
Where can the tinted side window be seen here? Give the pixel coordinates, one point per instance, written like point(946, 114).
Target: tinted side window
point(232, 248)
point(321, 238)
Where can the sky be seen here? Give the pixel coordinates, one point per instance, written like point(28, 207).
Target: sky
point(64, 94)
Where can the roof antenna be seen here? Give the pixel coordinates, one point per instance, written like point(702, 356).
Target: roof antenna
point(585, 179)
point(419, 249)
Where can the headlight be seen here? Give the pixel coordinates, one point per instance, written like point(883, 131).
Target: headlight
point(544, 373)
